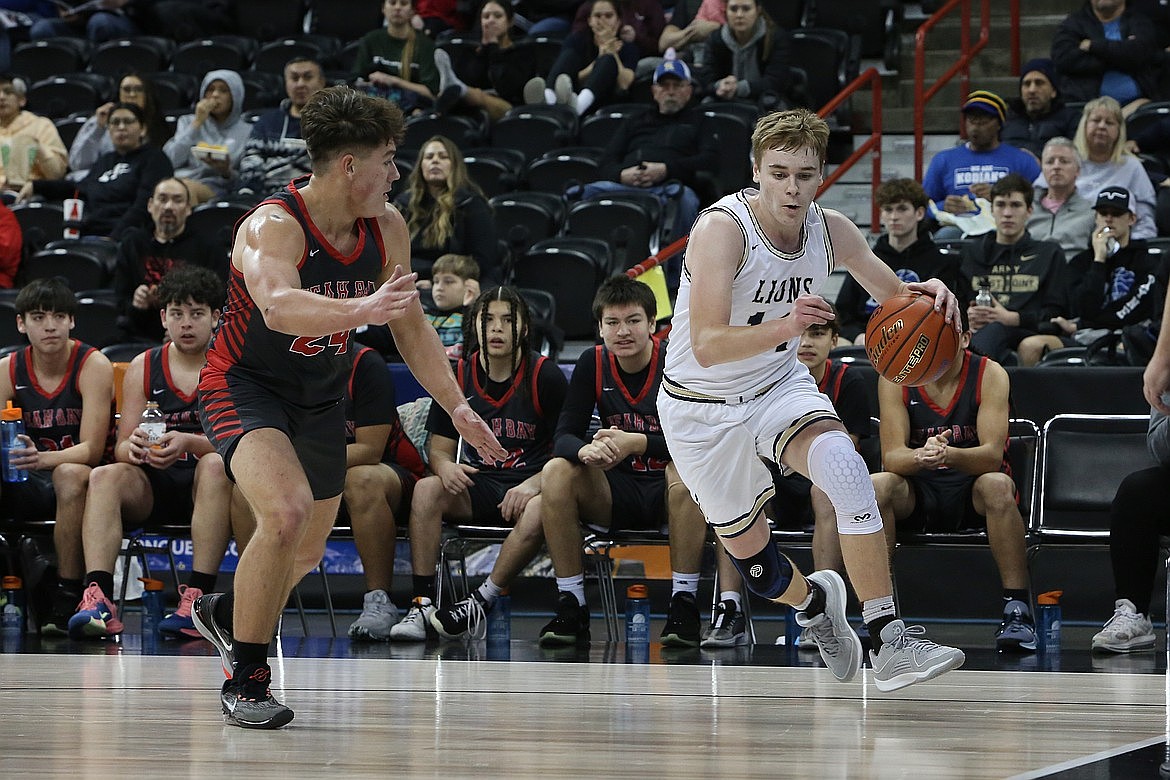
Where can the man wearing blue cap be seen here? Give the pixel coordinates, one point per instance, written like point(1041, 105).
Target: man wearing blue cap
point(957, 176)
point(662, 150)
point(1039, 113)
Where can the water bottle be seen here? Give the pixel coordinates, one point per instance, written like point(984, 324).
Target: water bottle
point(153, 424)
point(1111, 243)
point(983, 297)
point(152, 607)
point(11, 426)
point(499, 619)
point(637, 615)
point(12, 614)
point(1048, 624)
point(792, 629)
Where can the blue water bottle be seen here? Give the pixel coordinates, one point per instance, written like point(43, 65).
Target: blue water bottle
point(637, 615)
point(499, 619)
point(11, 426)
point(12, 614)
point(792, 629)
point(1048, 622)
point(152, 608)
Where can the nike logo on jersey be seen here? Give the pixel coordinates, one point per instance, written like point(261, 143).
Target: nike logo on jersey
point(20, 387)
point(607, 389)
point(313, 252)
point(158, 391)
point(913, 402)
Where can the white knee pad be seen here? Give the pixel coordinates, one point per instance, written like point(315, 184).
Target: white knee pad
point(837, 468)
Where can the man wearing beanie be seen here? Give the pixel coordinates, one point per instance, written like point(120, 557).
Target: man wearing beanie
point(1039, 113)
point(957, 176)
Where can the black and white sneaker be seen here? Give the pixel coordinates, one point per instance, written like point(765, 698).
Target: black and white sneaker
point(248, 703)
point(464, 618)
point(569, 627)
point(682, 622)
point(203, 615)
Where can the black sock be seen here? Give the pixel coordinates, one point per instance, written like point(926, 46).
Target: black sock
point(875, 627)
point(224, 606)
point(70, 588)
point(249, 653)
point(1013, 594)
point(817, 605)
point(104, 580)
point(202, 581)
point(424, 585)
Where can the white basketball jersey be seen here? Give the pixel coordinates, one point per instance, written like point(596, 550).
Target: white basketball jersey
point(764, 288)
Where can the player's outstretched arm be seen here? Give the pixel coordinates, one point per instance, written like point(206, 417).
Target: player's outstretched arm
point(851, 251)
point(714, 254)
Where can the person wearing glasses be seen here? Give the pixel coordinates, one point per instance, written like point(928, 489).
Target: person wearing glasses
point(118, 186)
point(92, 140)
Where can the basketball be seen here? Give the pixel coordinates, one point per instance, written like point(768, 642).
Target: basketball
point(908, 342)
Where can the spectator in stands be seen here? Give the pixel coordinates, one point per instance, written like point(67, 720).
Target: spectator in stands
point(381, 469)
point(906, 247)
point(797, 504)
point(274, 153)
point(520, 394)
point(65, 429)
point(1137, 525)
point(19, 17)
point(620, 478)
point(748, 58)
point(168, 480)
point(188, 20)
point(957, 176)
point(93, 139)
point(1112, 284)
point(11, 247)
point(1061, 213)
point(31, 149)
point(493, 75)
point(1105, 162)
point(642, 22)
point(688, 30)
point(944, 455)
point(396, 62)
point(146, 255)
point(119, 183)
point(663, 151)
point(597, 62)
point(447, 213)
point(216, 123)
point(546, 17)
point(1027, 278)
point(1039, 113)
point(96, 24)
point(435, 17)
point(1107, 49)
point(454, 286)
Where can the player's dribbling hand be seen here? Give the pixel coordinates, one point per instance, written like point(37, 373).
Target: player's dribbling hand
point(477, 433)
point(944, 300)
point(393, 299)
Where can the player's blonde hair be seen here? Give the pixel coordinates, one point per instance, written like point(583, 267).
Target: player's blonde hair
point(789, 131)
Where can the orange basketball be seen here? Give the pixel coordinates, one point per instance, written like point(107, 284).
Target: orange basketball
point(908, 342)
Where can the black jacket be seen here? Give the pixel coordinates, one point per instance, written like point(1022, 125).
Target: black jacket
point(1028, 277)
point(1127, 288)
point(674, 139)
point(474, 234)
point(1032, 133)
point(1137, 53)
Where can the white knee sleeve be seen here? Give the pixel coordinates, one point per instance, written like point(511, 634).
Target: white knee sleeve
point(837, 468)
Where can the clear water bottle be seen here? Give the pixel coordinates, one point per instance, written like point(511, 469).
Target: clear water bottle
point(152, 606)
point(12, 613)
point(499, 619)
point(983, 297)
point(637, 615)
point(1048, 621)
point(153, 424)
point(11, 426)
point(1111, 243)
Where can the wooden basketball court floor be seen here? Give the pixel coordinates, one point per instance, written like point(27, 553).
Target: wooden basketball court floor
point(466, 710)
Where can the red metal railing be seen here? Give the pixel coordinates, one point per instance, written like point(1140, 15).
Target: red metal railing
point(872, 145)
point(967, 52)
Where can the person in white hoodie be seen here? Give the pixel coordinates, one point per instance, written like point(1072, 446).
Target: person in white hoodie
point(217, 122)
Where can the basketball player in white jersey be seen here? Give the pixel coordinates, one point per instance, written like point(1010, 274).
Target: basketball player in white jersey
point(734, 392)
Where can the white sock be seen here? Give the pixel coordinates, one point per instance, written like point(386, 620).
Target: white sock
point(732, 595)
point(684, 583)
point(574, 585)
point(584, 101)
point(447, 77)
point(876, 608)
point(550, 97)
point(489, 591)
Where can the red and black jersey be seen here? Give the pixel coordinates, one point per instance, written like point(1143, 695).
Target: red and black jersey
point(369, 400)
point(959, 416)
point(522, 418)
point(52, 416)
point(633, 409)
point(303, 370)
point(180, 410)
